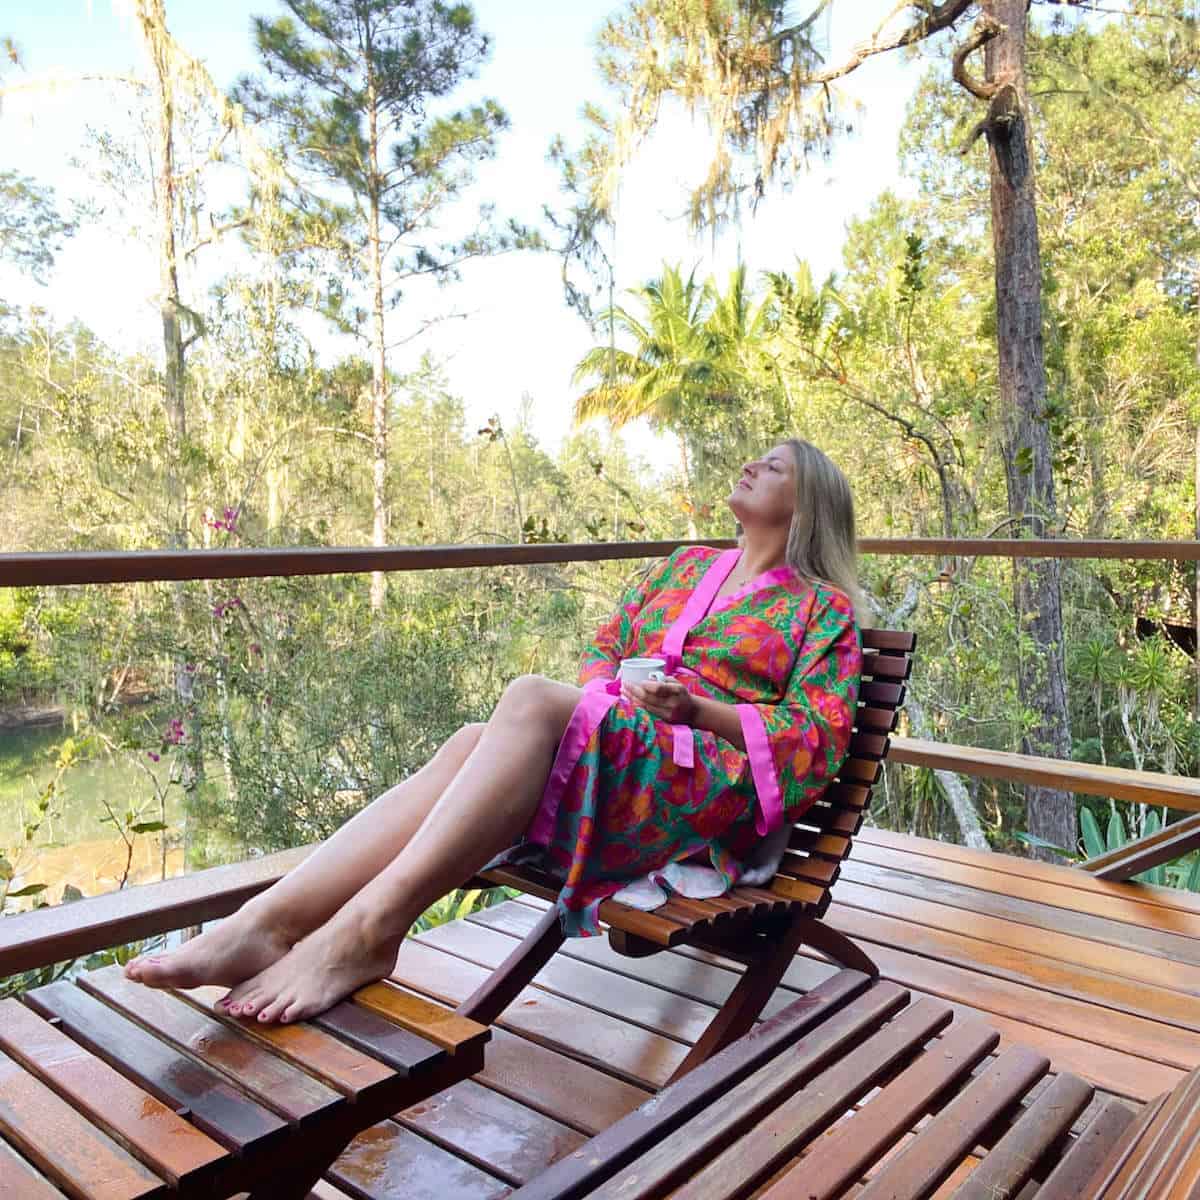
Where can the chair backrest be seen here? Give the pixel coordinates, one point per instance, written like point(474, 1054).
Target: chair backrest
point(822, 838)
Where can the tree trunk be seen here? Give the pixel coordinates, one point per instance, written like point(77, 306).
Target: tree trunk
point(1027, 451)
point(379, 388)
point(152, 18)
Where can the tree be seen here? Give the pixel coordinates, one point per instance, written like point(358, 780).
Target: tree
point(31, 227)
point(358, 78)
point(761, 80)
point(690, 354)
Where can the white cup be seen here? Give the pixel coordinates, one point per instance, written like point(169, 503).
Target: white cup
point(642, 670)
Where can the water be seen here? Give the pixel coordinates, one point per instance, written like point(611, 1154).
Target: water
point(74, 845)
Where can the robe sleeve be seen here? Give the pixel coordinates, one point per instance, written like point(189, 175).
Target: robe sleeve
point(796, 746)
point(614, 640)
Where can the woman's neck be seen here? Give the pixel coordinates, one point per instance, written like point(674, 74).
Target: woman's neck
point(761, 553)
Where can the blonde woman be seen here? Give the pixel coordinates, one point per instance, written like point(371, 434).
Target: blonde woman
point(628, 789)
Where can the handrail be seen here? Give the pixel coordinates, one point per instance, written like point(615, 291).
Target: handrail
point(66, 931)
point(1168, 844)
point(143, 566)
point(47, 935)
point(1089, 779)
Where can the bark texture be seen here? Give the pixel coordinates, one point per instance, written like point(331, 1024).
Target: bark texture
point(1027, 441)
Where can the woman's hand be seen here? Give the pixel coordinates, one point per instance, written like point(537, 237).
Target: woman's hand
point(669, 700)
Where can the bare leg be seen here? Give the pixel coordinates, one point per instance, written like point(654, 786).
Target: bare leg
point(487, 807)
point(267, 927)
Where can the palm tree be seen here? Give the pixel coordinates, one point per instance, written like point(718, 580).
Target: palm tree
point(681, 360)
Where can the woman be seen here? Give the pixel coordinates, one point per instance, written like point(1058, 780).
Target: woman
point(606, 783)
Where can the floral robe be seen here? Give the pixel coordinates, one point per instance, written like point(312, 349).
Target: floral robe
point(629, 794)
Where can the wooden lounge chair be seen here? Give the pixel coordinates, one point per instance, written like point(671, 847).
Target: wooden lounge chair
point(112, 1091)
point(760, 927)
point(819, 1101)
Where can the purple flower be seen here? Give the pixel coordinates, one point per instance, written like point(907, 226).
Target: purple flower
point(152, 756)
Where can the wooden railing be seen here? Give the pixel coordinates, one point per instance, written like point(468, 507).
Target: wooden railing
point(110, 567)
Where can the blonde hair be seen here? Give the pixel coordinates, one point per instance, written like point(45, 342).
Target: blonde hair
point(822, 545)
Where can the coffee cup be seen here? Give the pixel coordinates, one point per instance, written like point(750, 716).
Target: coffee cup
point(642, 670)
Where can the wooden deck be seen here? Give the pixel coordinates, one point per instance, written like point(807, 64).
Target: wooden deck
point(1103, 978)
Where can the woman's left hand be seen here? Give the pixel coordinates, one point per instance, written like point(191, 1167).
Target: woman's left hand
point(669, 700)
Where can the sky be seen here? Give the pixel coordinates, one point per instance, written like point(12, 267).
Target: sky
point(518, 336)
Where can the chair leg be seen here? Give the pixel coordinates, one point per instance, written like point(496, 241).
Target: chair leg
point(504, 984)
point(739, 1012)
point(839, 947)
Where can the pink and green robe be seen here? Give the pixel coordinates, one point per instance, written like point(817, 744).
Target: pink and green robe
point(631, 796)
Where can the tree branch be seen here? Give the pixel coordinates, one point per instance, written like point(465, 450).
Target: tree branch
point(986, 28)
point(937, 18)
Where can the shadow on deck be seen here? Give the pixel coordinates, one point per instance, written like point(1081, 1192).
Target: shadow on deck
point(1102, 978)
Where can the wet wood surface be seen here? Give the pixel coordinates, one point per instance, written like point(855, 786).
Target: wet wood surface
point(1099, 980)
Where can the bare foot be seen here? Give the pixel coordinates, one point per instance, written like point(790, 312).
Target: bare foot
point(317, 972)
point(235, 950)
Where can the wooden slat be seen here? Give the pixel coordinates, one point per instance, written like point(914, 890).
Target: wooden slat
point(815, 841)
point(1120, 921)
point(850, 1147)
point(876, 719)
point(213, 1103)
point(271, 1080)
point(1133, 858)
point(634, 1054)
point(629, 999)
point(820, 872)
point(1156, 1152)
point(1085, 1155)
point(856, 770)
point(550, 1082)
point(868, 745)
point(779, 1124)
point(892, 667)
point(795, 1122)
point(492, 1131)
point(20, 1181)
point(941, 1144)
point(1027, 868)
point(1036, 967)
point(375, 1035)
point(710, 1081)
point(175, 1150)
point(1089, 779)
point(64, 1146)
point(646, 925)
point(1130, 1034)
point(1010, 1163)
point(356, 1075)
point(389, 1161)
point(876, 691)
point(65, 931)
point(419, 1016)
point(897, 640)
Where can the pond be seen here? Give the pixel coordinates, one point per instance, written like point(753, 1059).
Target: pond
point(74, 844)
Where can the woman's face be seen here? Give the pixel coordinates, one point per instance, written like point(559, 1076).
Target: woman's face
point(766, 492)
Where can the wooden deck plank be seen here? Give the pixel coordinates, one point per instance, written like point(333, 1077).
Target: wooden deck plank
point(632, 1000)
point(1029, 868)
point(1083, 951)
point(388, 1161)
point(553, 1083)
point(996, 902)
point(637, 1055)
point(1127, 908)
point(177, 1151)
point(1039, 971)
point(496, 1133)
point(1137, 1036)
